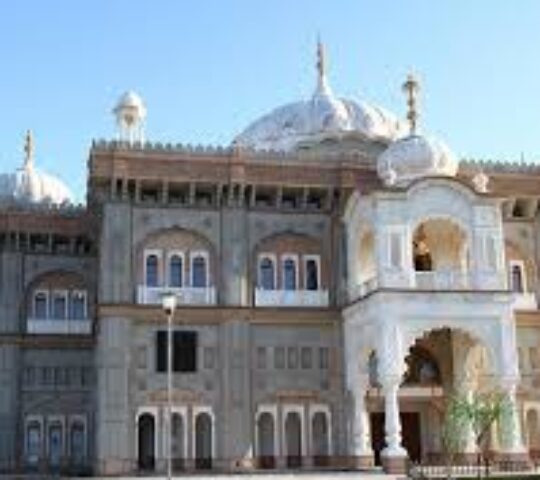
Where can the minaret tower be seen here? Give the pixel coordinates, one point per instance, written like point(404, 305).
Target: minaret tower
point(28, 151)
point(130, 114)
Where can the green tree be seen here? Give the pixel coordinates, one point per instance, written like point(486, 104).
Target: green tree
point(466, 413)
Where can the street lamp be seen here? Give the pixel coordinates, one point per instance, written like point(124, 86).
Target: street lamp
point(168, 303)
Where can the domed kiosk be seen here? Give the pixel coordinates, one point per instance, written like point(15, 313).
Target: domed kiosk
point(28, 185)
point(415, 156)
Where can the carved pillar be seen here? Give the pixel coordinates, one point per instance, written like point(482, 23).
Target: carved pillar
point(361, 450)
point(511, 441)
point(391, 368)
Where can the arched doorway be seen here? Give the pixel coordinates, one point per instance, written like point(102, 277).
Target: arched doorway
point(203, 441)
point(293, 439)
point(177, 438)
point(320, 444)
point(146, 437)
point(266, 432)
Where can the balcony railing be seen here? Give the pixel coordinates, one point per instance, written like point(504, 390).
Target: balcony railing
point(59, 326)
point(525, 301)
point(291, 298)
point(185, 295)
point(443, 280)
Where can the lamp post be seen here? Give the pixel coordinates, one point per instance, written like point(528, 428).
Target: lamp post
point(168, 302)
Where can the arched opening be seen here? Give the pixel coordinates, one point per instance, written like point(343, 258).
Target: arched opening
point(77, 443)
point(289, 274)
point(293, 440)
point(55, 445)
point(366, 268)
point(267, 274)
point(152, 271)
point(177, 441)
point(266, 432)
point(198, 266)
point(146, 441)
point(320, 440)
point(312, 274)
point(176, 274)
point(33, 443)
point(440, 255)
point(422, 368)
point(533, 433)
point(203, 441)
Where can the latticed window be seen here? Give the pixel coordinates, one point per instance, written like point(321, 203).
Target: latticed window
point(59, 305)
point(516, 279)
point(78, 305)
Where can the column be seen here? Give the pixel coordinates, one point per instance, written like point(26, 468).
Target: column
point(512, 448)
point(361, 451)
point(394, 456)
point(307, 447)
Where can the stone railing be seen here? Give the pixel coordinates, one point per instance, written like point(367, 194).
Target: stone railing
point(525, 301)
point(291, 298)
point(185, 295)
point(59, 326)
point(443, 280)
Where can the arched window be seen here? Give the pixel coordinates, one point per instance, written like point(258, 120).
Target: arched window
point(175, 271)
point(55, 444)
point(289, 274)
point(59, 304)
point(78, 305)
point(516, 278)
point(198, 274)
point(312, 274)
point(293, 439)
point(265, 432)
point(320, 434)
point(146, 437)
point(40, 305)
point(152, 270)
point(203, 441)
point(33, 442)
point(267, 274)
point(177, 441)
point(77, 443)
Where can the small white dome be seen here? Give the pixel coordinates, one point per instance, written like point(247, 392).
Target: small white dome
point(413, 157)
point(130, 100)
point(30, 186)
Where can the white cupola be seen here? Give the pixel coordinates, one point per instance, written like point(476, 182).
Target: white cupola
point(130, 114)
point(415, 155)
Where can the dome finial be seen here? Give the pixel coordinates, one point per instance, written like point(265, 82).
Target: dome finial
point(28, 150)
point(411, 88)
point(322, 83)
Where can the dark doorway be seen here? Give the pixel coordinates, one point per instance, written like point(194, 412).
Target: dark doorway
point(293, 438)
point(203, 441)
point(410, 431)
point(146, 437)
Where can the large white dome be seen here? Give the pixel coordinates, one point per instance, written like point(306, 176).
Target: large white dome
point(323, 115)
point(413, 157)
point(28, 185)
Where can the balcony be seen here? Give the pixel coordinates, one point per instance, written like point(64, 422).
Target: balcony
point(525, 301)
point(59, 326)
point(443, 280)
point(185, 295)
point(291, 298)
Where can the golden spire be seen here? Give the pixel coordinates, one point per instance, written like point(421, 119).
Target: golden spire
point(28, 150)
point(411, 88)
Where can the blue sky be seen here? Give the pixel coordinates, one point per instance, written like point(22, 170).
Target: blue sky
point(206, 69)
